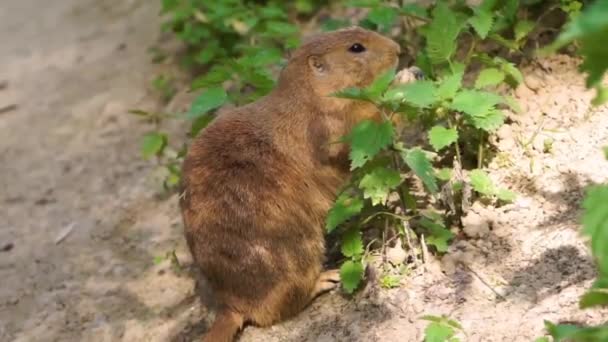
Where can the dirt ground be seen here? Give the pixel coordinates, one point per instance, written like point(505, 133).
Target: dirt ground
point(81, 225)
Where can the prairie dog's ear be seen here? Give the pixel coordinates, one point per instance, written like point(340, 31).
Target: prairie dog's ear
point(318, 65)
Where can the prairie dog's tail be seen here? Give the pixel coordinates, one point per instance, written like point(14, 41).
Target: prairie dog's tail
point(227, 323)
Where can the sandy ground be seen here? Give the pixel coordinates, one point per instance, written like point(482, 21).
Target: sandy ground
point(69, 164)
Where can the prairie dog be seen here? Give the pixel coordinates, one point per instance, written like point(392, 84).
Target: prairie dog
point(259, 180)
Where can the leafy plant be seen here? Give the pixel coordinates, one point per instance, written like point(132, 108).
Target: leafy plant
point(589, 29)
point(457, 116)
point(595, 227)
point(441, 329)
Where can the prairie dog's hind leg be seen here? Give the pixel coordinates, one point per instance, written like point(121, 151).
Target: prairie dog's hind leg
point(328, 280)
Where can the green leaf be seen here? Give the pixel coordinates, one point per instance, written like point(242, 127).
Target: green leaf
point(542, 339)
point(513, 104)
point(506, 195)
point(594, 298)
point(199, 123)
point(351, 93)
point(159, 259)
point(262, 57)
point(414, 10)
point(439, 236)
point(153, 144)
point(420, 94)
point(390, 281)
point(280, 28)
point(475, 102)
point(172, 180)
point(437, 332)
point(383, 17)
point(352, 245)
point(481, 182)
point(509, 69)
point(380, 85)
point(595, 224)
point(522, 29)
point(490, 121)
point(351, 274)
point(568, 332)
point(367, 139)
point(444, 174)
point(482, 22)
point(417, 160)
point(441, 137)
point(210, 99)
point(344, 208)
point(442, 33)
point(451, 84)
point(214, 77)
point(372, 93)
point(489, 77)
point(590, 29)
point(378, 183)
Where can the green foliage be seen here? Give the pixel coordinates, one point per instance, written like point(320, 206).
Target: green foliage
point(482, 183)
point(420, 164)
point(441, 137)
point(153, 144)
point(442, 33)
point(489, 77)
point(438, 235)
point(590, 30)
point(344, 208)
point(367, 139)
point(351, 274)
point(378, 183)
point(164, 86)
point(441, 329)
point(211, 99)
point(390, 281)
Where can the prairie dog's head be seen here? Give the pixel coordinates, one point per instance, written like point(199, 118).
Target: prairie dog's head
point(351, 57)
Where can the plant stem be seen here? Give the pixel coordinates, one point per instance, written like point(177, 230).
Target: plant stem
point(451, 124)
point(480, 151)
point(407, 200)
point(471, 51)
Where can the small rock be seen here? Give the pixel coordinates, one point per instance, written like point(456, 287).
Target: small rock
point(533, 82)
point(506, 145)
point(505, 132)
point(475, 225)
point(523, 92)
point(7, 247)
point(396, 255)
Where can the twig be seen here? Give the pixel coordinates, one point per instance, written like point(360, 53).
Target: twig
point(65, 233)
point(408, 241)
point(480, 152)
point(484, 282)
point(425, 249)
point(8, 108)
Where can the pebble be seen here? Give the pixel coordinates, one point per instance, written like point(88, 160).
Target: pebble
point(523, 92)
point(533, 82)
point(7, 247)
point(475, 225)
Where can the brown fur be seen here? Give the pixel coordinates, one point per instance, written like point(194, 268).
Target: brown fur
point(259, 181)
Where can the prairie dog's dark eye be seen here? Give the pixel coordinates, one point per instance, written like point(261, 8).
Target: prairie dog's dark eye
point(356, 48)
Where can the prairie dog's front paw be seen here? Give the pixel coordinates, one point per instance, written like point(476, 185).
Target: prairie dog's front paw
point(408, 75)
